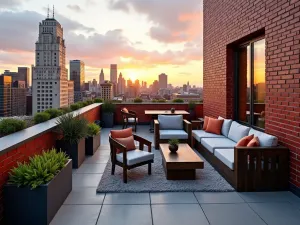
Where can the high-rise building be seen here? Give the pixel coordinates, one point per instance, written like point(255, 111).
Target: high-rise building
point(18, 98)
point(155, 87)
point(121, 85)
point(107, 90)
point(137, 87)
point(23, 74)
point(50, 78)
point(77, 74)
point(5, 95)
point(113, 73)
point(101, 77)
point(163, 80)
point(70, 92)
point(185, 88)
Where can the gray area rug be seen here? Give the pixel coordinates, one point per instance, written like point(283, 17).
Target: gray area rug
point(207, 180)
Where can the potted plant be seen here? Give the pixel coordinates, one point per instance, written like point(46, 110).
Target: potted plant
point(36, 190)
point(108, 109)
point(173, 145)
point(192, 106)
point(74, 130)
point(172, 110)
point(92, 141)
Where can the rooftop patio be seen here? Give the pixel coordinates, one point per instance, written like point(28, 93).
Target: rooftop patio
point(84, 206)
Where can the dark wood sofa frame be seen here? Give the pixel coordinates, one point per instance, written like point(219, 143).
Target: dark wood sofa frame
point(251, 173)
point(114, 145)
point(187, 127)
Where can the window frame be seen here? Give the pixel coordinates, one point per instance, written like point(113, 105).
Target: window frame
point(236, 82)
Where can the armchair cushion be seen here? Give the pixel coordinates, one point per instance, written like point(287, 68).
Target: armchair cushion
point(265, 140)
point(238, 131)
point(226, 156)
point(212, 143)
point(170, 122)
point(226, 126)
point(121, 133)
point(127, 142)
point(135, 157)
point(131, 120)
point(125, 110)
point(198, 134)
point(173, 134)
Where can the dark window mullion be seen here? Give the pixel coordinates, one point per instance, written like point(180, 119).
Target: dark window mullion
point(252, 84)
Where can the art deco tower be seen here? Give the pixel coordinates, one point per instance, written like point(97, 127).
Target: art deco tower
point(50, 78)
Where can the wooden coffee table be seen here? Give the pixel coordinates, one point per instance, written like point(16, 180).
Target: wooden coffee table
point(181, 165)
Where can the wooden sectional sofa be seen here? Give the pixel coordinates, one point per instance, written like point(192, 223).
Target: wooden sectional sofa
point(264, 168)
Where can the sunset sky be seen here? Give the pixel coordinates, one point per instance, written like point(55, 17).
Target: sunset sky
point(144, 37)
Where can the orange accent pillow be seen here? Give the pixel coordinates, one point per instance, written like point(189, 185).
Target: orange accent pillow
point(254, 142)
point(125, 110)
point(121, 133)
point(245, 141)
point(214, 126)
point(128, 142)
point(206, 119)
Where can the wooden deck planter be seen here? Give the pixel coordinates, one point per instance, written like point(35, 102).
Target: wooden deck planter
point(251, 173)
point(37, 206)
point(75, 151)
point(92, 144)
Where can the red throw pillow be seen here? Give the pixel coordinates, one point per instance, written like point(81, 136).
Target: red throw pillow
point(214, 126)
point(125, 110)
point(128, 142)
point(245, 141)
point(206, 119)
point(254, 142)
point(121, 133)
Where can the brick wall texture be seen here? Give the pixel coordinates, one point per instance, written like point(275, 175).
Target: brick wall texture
point(227, 21)
point(28, 149)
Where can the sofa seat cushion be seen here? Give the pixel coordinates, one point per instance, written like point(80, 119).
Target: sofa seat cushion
point(226, 156)
point(131, 120)
point(265, 140)
point(135, 157)
point(170, 122)
point(212, 143)
point(198, 134)
point(238, 131)
point(173, 134)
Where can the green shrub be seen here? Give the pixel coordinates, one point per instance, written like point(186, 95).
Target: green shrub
point(192, 105)
point(66, 110)
point(75, 106)
point(41, 117)
point(54, 113)
point(93, 129)
point(108, 107)
point(178, 100)
point(9, 126)
point(173, 142)
point(98, 100)
point(154, 100)
point(40, 169)
point(89, 102)
point(138, 100)
point(72, 127)
point(161, 100)
point(83, 104)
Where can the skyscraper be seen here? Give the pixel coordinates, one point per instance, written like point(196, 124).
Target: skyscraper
point(121, 84)
point(5, 95)
point(18, 98)
point(155, 87)
point(23, 74)
point(107, 90)
point(70, 92)
point(113, 73)
point(50, 78)
point(77, 74)
point(101, 77)
point(163, 80)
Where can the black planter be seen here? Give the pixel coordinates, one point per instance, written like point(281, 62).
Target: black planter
point(92, 144)
point(38, 206)
point(173, 148)
point(192, 114)
point(75, 151)
point(108, 120)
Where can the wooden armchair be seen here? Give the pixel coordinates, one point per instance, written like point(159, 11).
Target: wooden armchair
point(129, 118)
point(130, 159)
point(164, 135)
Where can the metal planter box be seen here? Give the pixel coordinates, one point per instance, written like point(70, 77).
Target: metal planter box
point(38, 206)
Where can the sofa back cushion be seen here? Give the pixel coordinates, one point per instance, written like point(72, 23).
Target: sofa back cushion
point(265, 140)
point(237, 131)
point(170, 122)
point(214, 126)
point(226, 126)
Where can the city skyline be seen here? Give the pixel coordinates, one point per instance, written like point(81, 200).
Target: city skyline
point(146, 43)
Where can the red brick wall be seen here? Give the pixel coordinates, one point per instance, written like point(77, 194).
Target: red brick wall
point(227, 21)
point(28, 149)
point(140, 110)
